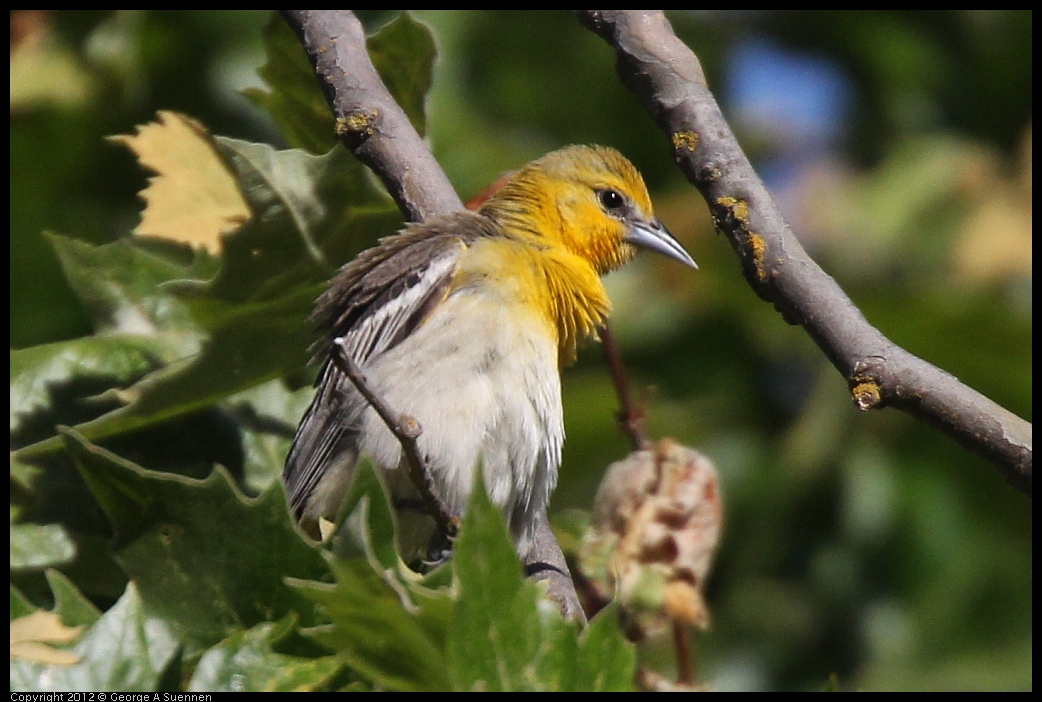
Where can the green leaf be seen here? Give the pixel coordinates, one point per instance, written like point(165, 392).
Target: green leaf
point(606, 661)
point(72, 608)
point(503, 637)
point(37, 546)
point(206, 559)
point(489, 638)
point(507, 636)
point(43, 377)
point(403, 54)
point(126, 650)
point(245, 662)
point(260, 343)
point(295, 99)
point(70, 604)
point(267, 416)
point(20, 605)
point(141, 327)
point(484, 556)
point(120, 284)
point(370, 530)
point(386, 623)
point(392, 635)
point(311, 213)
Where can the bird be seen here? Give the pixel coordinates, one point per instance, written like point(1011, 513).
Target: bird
point(463, 322)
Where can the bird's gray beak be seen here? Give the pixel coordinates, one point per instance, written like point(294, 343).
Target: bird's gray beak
point(653, 236)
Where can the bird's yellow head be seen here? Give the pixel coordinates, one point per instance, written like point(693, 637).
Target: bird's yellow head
point(588, 199)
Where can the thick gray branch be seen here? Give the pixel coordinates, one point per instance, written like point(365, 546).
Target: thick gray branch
point(667, 78)
point(369, 121)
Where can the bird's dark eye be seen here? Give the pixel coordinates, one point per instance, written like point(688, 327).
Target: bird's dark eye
point(611, 199)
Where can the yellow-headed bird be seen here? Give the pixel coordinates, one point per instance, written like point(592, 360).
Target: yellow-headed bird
point(463, 322)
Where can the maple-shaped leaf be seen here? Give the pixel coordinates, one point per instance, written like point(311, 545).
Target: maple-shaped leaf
point(194, 197)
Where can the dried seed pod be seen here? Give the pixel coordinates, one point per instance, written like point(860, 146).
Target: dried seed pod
point(658, 517)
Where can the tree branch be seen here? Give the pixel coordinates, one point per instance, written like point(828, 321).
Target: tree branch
point(668, 80)
point(376, 130)
point(369, 122)
point(630, 416)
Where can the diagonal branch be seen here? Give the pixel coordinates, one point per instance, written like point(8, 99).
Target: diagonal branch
point(406, 430)
point(368, 120)
point(667, 79)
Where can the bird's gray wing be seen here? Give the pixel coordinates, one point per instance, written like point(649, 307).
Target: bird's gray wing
point(373, 303)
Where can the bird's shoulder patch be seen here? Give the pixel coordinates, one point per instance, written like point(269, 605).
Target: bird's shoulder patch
point(386, 292)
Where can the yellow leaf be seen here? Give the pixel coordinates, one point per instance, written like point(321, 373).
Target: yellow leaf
point(194, 197)
point(31, 634)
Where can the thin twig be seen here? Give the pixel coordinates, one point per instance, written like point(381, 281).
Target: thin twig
point(668, 80)
point(406, 430)
point(682, 647)
point(631, 417)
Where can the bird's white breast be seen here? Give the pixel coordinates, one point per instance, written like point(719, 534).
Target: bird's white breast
point(482, 380)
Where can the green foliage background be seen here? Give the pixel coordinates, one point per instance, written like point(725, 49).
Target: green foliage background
point(862, 544)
